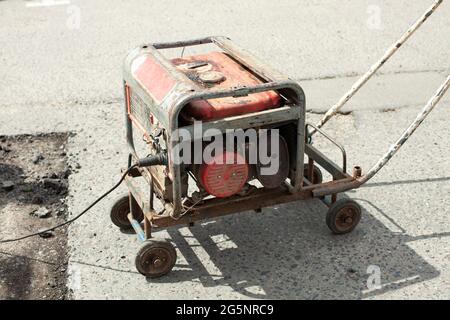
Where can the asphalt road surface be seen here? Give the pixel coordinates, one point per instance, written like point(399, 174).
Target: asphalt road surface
point(60, 66)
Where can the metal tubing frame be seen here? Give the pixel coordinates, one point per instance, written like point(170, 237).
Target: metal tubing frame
point(342, 181)
point(408, 132)
point(276, 115)
point(188, 93)
point(343, 185)
point(337, 144)
point(216, 207)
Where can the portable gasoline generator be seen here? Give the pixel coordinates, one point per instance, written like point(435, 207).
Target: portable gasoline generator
point(225, 90)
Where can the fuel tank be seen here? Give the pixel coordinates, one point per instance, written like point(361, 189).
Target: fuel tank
point(218, 71)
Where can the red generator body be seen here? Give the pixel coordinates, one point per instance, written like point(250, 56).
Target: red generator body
point(227, 173)
point(195, 101)
point(217, 71)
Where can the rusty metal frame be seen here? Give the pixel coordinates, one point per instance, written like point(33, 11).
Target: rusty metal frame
point(333, 141)
point(299, 188)
point(215, 207)
point(185, 91)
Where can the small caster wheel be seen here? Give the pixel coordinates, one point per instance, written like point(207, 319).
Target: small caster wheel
point(317, 174)
point(120, 211)
point(155, 258)
point(343, 216)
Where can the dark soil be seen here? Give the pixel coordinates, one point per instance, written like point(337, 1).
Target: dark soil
point(33, 187)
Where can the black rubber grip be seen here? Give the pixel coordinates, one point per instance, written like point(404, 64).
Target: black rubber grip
point(154, 160)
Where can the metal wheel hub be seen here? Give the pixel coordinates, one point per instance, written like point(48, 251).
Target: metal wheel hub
point(156, 259)
point(345, 218)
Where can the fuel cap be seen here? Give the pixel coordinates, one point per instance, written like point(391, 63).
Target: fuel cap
point(211, 77)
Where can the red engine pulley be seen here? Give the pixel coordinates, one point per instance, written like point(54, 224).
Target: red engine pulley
point(225, 175)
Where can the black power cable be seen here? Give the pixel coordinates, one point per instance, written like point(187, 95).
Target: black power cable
point(79, 215)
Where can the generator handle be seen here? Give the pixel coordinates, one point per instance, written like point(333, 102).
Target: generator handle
point(408, 132)
point(337, 144)
point(185, 43)
point(374, 68)
point(356, 182)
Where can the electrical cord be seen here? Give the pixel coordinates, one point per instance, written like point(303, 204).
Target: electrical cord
point(80, 214)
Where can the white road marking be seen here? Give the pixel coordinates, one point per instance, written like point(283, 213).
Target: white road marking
point(223, 242)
